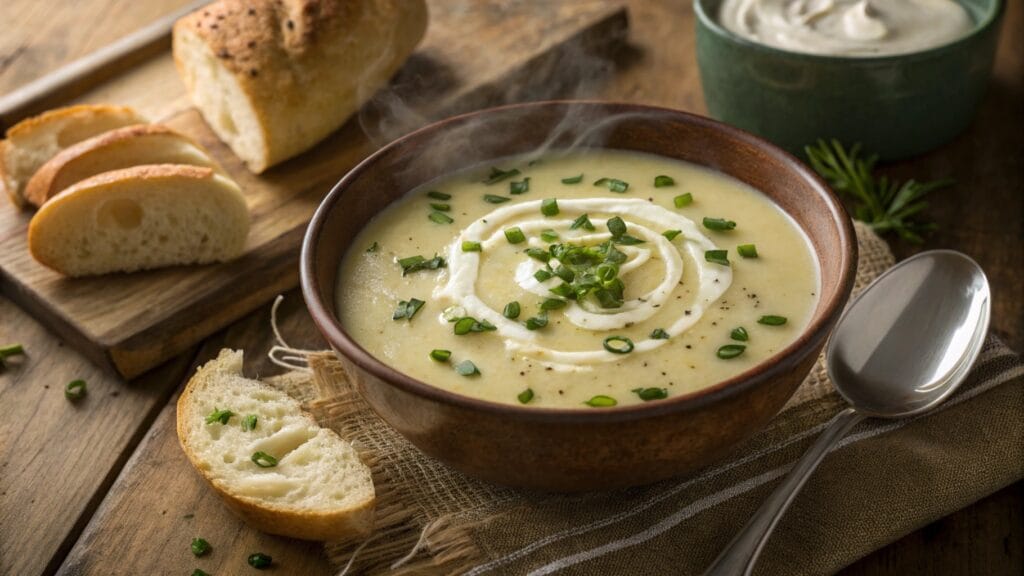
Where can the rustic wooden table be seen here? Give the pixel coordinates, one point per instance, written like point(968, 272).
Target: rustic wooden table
point(102, 487)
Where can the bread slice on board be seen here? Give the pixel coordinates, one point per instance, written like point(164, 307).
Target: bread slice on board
point(121, 148)
point(139, 218)
point(318, 490)
point(32, 142)
point(274, 77)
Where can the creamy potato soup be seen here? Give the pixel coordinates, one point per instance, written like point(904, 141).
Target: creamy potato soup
point(582, 281)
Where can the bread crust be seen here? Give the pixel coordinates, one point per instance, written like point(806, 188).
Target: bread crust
point(333, 525)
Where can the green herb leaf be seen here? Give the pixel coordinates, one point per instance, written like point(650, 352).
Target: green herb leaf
point(407, 309)
point(521, 187)
point(438, 195)
point(264, 460)
point(439, 355)
point(468, 324)
point(440, 217)
point(536, 322)
point(526, 395)
point(730, 351)
point(616, 226)
point(514, 235)
point(467, 368)
point(613, 184)
point(683, 200)
point(601, 401)
point(573, 179)
point(718, 224)
point(648, 394)
point(582, 222)
point(495, 199)
point(470, 246)
point(747, 250)
point(249, 423)
point(671, 234)
point(441, 207)
point(659, 334)
point(549, 207)
point(417, 263)
point(739, 334)
point(260, 560)
point(717, 257)
point(548, 235)
point(497, 175)
point(552, 304)
point(771, 320)
point(219, 415)
point(373, 247)
point(618, 345)
point(663, 181)
point(511, 310)
point(200, 547)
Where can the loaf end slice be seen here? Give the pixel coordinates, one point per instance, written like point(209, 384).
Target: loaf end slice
point(318, 490)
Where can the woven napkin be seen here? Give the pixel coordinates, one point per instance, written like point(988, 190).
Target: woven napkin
point(884, 480)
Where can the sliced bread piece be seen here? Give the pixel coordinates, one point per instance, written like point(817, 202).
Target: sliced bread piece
point(139, 218)
point(319, 489)
point(33, 141)
point(121, 148)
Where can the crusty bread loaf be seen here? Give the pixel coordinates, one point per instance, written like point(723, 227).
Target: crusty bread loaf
point(121, 148)
point(138, 218)
point(32, 142)
point(318, 490)
point(274, 77)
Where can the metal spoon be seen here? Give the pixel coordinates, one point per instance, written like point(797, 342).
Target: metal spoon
point(900, 349)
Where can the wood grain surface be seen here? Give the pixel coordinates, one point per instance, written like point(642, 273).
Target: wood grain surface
point(141, 526)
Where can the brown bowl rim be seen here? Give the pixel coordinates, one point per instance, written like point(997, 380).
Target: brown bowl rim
point(812, 334)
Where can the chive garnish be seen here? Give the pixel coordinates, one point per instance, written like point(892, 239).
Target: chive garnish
point(373, 247)
point(417, 263)
point(747, 250)
point(717, 257)
point(538, 254)
point(495, 199)
point(249, 423)
point(549, 207)
point(75, 390)
point(612, 184)
point(648, 394)
point(471, 246)
point(264, 460)
point(259, 560)
point(514, 235)
point(8, 351)
point(771, 320)
point(441, 207)
point(683, 200)
point(440, 217)
point(616, 226)
point(407, 309)
point(582, 222)
point(497, 175)
point(467, 368)
point(719, 224)
point(219, 415)
point(520, 187)
point(659, 334)
point(200, 547)
point(552, 304)
point(469, 324)
point(511, 310)
point(601, 401)
point(739, 334)
point(730, 351)
point(564, 290)
point(536, 322)
point(573, 179)
point(618, 345)
point(439, 355)
point(526, 395)
point(671, 234)
point(438, 195)
point(627, 240)
point(663, 181)
point(198, 572)
point(542, 275)
point(565, 273)
point(548, 235)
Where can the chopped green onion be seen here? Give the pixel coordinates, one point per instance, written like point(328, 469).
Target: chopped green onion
point(260, 560)
point(200, 547)
point(249, 423)
point(438, 195)
point(466, 368)
point(612, 184)
point(217, 415)
point(648, 394)
point(75, 390)
point(552, 304)
point(565, 273)
point(616, 226)
point(542, 275)
point(511, 310)
point(373, 247)
point(538, 254)
point(440, 206)
point(495, 199)
point(407, 309)
point(582, 222)
point(471, 246)
point(659, 334)
point(730, 351)
point(264, 460)
point(520, 187)
point(683, 200)
point(717, 257)
point(537, 322)
point(739, 334)
point(627, 240)
point(549, 207)
point(564, 290)
point(771, 320)
point(747, 250)
point(417, 263)
point(8, 351)
point(663, 181)
point(671, 234)
point(573, 179)
point(618, 345)
point(514, 235)
point(439, 355)
point(719, 224)
point(198, 572)
point(464, 326)
point(440, 217)
point(526, 395)
point(601, 401)
point(548, 235)
point(497, 175)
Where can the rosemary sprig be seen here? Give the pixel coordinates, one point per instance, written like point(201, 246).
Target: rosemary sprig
point(885, 205)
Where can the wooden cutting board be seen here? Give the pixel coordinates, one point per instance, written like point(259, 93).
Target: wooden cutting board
point(489, 53)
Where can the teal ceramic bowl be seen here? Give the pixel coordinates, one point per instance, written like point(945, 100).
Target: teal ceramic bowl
point(896, 106)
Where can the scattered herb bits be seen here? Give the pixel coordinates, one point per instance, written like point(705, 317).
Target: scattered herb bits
point(497, 175)
point(730, 351)
point(659, 334)
point(549, 207)
point(536, 322)
point(671, 234)
point(467, 368)
point(542, 275)
point(407, 309)
point(440, 207)
point(495, 199)
point(718, 224)
point(552, 304)
point(616, 226)
point(717, 257)
point(198, 572)
point(525, 396)
point(438, 195)
point(601, 401)
point(739, 334)
point(469, 324)
point(264, 460)
point(75, 390)
point(471, 246)
point(417, 263)
point(521, 187)
point(439, 355)
point(511, 310)
point(538, 254)
point(515, 235)
point(548, 235)
point(440, 217)
point(683, 200)
point(771, 320)
point(260, 561)
point(582, 222)
point(747, 250)
point(573, 179)
point(200, 547)
point(648, 394)
point(249, 423)
point(618, 345)
point(663, 181)
point(613, 184)
point(218, 415)
point(373, 247)
point(9, 351)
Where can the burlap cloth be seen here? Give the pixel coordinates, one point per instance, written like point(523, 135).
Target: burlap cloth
point(886, 479)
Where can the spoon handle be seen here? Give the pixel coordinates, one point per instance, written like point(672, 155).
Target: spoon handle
point(741, 554)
